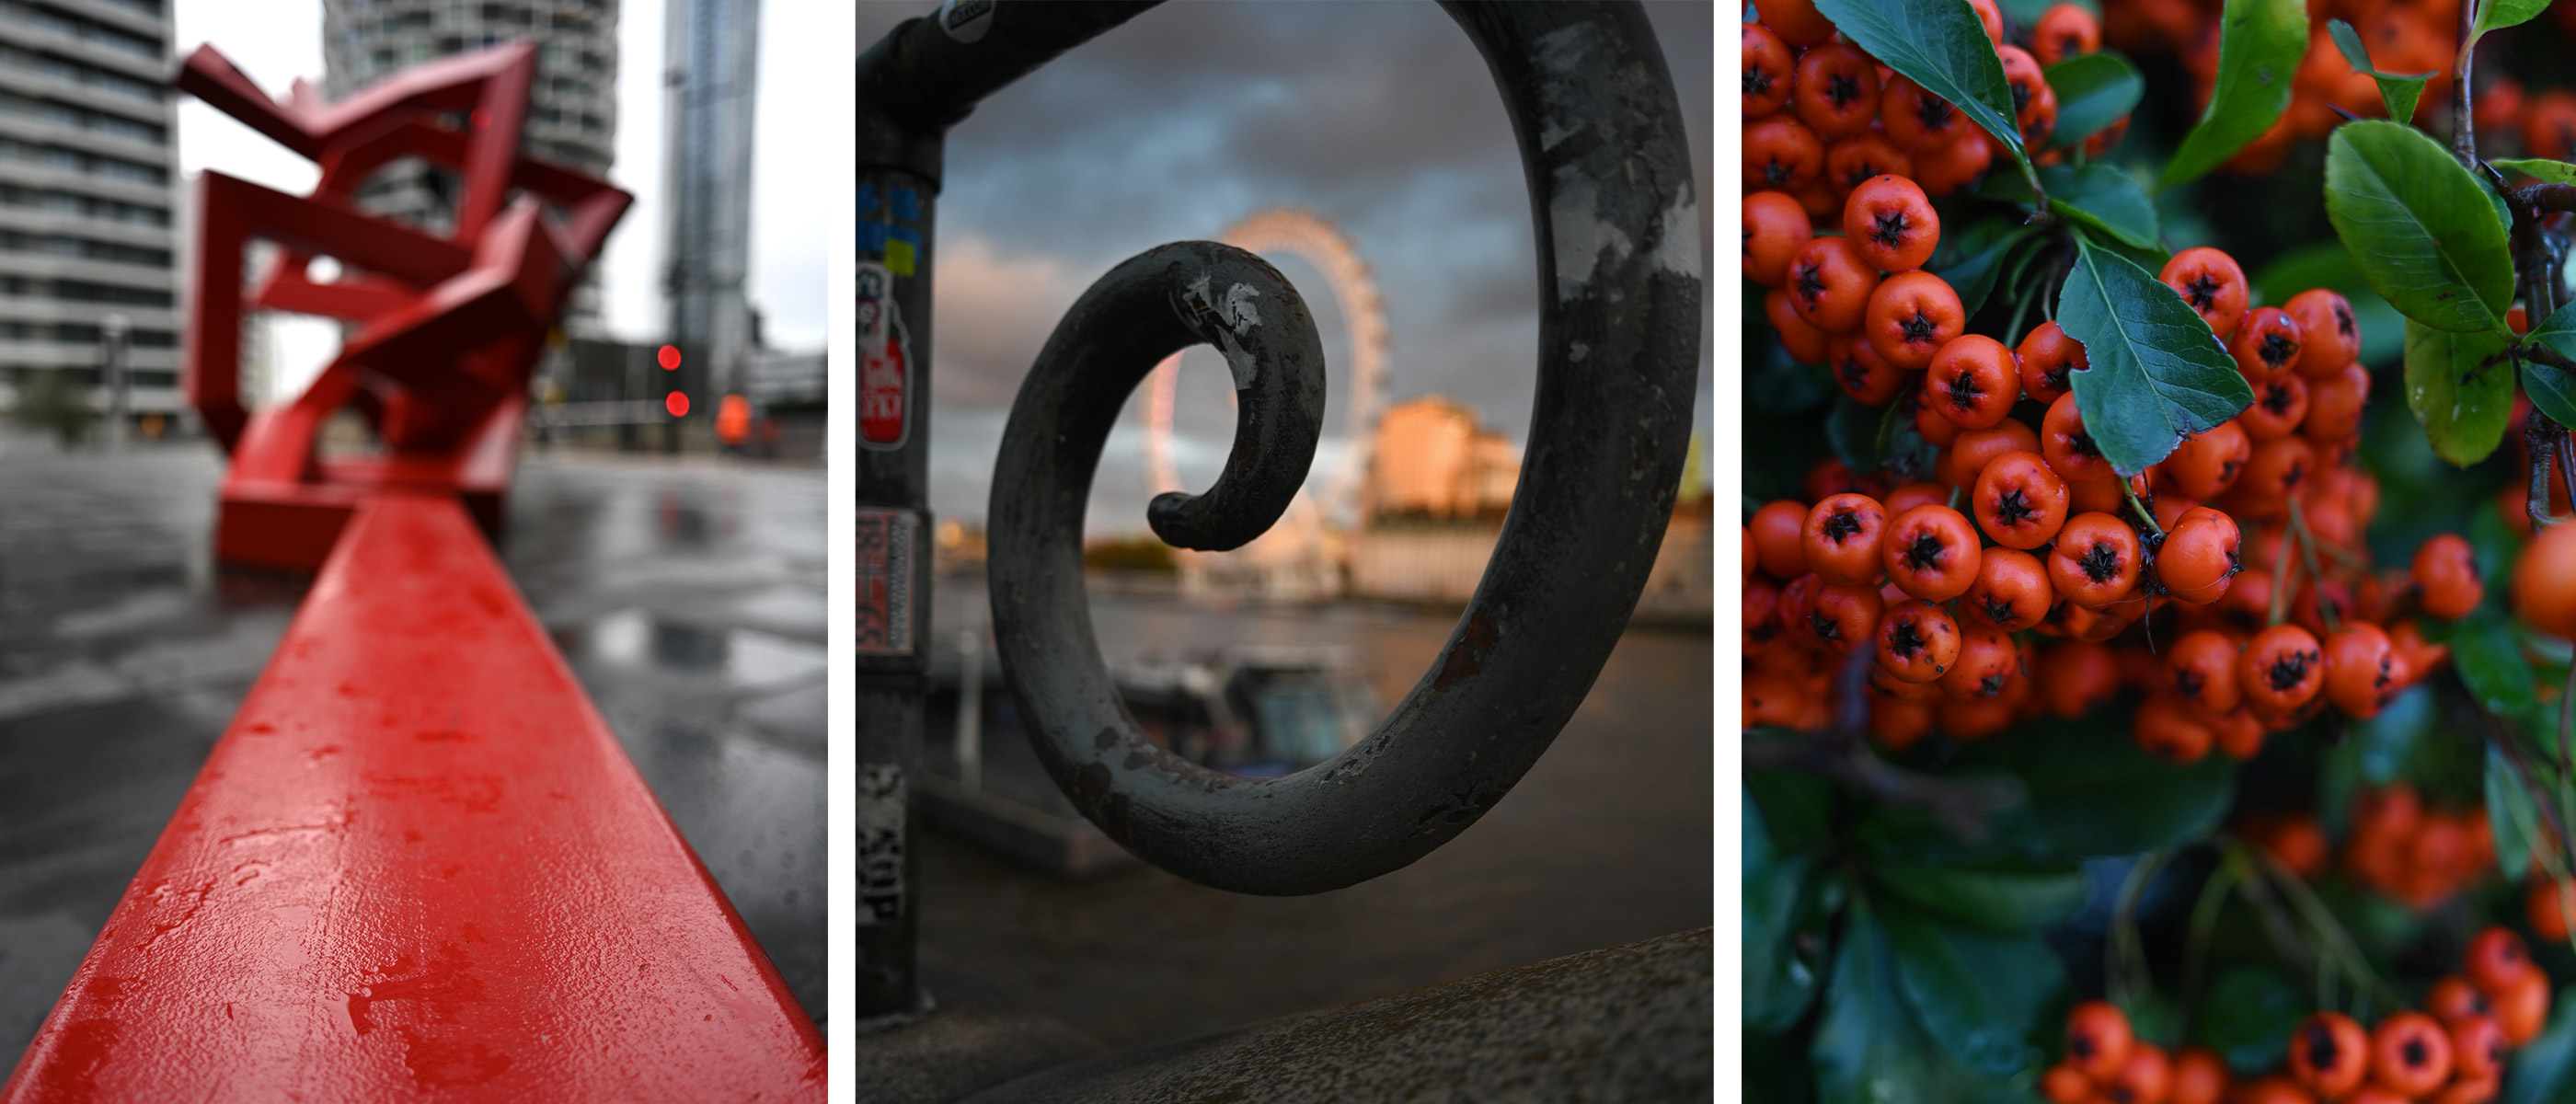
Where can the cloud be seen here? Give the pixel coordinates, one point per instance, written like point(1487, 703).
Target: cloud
point(994, 314)
point(1381, 117)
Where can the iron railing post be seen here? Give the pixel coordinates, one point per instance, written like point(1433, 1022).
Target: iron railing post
point(912, 85)
point(896, 204)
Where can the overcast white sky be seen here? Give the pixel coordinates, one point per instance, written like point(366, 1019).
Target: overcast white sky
point(276, 41)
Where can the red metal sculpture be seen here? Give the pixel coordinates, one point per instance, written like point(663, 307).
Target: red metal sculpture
point(418, 865)
point(446, 329)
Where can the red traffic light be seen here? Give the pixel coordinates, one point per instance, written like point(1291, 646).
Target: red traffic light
point(667, 356)
point(677, 404)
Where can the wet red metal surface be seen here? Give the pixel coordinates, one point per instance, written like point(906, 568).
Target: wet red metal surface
point(418, 866)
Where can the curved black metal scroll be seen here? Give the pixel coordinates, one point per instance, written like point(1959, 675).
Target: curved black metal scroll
point(1600, 136)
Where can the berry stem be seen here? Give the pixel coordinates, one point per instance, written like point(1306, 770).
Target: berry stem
point(2308, 551)
point(2330, 932)
point(1841, 754)
point(2538, 434)
point(2277, 926)
point(2146, 516)
point(2204, 920)
point(2344, 556)
point(2280, 583)
point(2125, 963)
point(2567, 464)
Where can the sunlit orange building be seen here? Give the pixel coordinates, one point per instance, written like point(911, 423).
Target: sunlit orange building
point(1430, 459)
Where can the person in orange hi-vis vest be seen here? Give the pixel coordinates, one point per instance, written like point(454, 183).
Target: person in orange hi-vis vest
point(733, 423)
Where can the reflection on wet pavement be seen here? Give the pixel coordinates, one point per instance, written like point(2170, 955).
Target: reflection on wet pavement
point(688, 599)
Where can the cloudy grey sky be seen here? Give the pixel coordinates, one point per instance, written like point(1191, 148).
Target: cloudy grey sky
point(794, 178)
point(1378, 115)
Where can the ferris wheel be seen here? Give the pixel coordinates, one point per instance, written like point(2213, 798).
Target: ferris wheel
point(1310, 237)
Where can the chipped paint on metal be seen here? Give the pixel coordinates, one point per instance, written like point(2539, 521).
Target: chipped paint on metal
point(1233, 315)
point(1238, 307)
point(1677, 247)
point(1579, 233)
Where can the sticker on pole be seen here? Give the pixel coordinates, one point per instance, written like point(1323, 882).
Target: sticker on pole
point(966, 20)
point(883, 816)
point(885, 363)
point(885, 581)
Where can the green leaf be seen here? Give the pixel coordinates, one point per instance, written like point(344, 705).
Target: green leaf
point(2398, 91)
point(1778, 984)
point(2149, 259)
point(2496, 15)
point(2093, 92)
point(2105, 198)
point(1978, 996)
point(1796, 807)
point(2553, 389)
point(2423, 231)
point(2156, 374)
point(2248, 1014)
point(2091, 797)
point(1869, 1048)
point(2496, 546)
point(2489, 658)
point(2382, 745)
point(1940, 45)
point(2551, 172)
point(2544, 1071)
point(2007, 899)
point(2460, 386)
point(2326, 264)
point(1975, 258)
point(2259, 46)
point(2509, 811)
point(1854, 431)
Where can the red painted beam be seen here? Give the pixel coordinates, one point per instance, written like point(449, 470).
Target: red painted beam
point(419, 866)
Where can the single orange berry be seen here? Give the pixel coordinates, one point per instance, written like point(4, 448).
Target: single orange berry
point(2329, 1054)
point(2098, 1039)
point(2446, 572)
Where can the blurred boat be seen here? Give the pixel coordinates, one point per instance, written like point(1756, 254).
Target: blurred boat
point(1255, 711)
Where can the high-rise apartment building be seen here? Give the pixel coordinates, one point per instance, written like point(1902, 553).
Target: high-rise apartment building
point(86, 197)
point(711, 51)
point(572, 116)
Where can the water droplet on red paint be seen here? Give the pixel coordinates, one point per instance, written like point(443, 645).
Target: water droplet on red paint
point(678, 404)
point(667, 356)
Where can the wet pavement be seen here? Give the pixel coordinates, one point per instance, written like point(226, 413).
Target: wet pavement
point(687, 595)
point(1606, 841)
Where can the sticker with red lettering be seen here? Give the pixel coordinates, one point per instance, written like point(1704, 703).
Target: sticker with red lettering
point(885, 363)
point(884, 581)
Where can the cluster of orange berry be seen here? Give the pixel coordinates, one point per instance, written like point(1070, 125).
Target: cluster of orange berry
point(2452, 1052)
point(1822, 116)
point(2065, 559)
point(2416, 855)
point(2106, 1061)
point(2403, 36)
